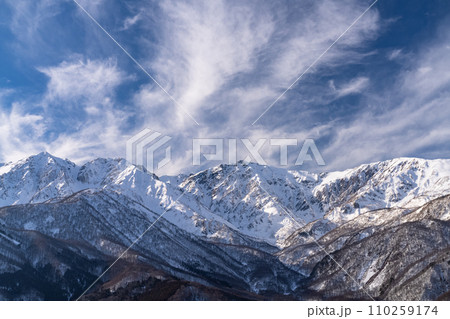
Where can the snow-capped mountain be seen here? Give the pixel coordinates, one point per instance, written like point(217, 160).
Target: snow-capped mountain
point(241, 231)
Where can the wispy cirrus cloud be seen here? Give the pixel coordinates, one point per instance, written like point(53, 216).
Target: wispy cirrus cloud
point(131, 21)
point(417, 125)
point(225, 62)
point(76, 79)
point(395, 54)
point(354, 86)
point(77, 117)
point(81, 96)
point(228, 60)
point(19, 131)
point(205, 45)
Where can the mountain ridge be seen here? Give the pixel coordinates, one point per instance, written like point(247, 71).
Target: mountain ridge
point(216, 227)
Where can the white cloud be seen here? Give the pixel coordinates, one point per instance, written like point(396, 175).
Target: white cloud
point(100, 136)
point(28, 22)
point(90, 86)
point(26, 17)
point(94, 7)
point(207, 43)
point(234, 58)
point(430, 71)
point(418, 125)
point(23, 134)
point(94, 80)
point(131, 21)
point(308, 37)
point(356, 85)
point(225, 61)
point(395, 54)
point(19, 131)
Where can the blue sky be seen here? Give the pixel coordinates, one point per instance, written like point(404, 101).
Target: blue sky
point(381, 92)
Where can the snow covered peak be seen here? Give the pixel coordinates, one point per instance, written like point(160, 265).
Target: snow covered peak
point(255, 200)
point(36, 179)
point(96, 171)
point(401, 182)
point(38, 161)
point(43, 177)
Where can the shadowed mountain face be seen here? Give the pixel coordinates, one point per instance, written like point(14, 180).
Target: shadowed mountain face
point(232, 232)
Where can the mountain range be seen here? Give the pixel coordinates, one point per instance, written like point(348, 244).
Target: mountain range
point(379, 231)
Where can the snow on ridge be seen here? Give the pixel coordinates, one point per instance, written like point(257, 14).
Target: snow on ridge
point(215, 207)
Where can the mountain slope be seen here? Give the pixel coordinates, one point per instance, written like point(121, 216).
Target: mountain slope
point(249, 231)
